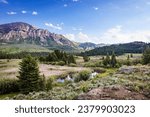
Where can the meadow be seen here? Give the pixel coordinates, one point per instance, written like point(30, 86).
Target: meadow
point(124, 82)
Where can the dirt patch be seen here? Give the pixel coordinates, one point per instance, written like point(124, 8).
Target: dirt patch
point(110, 93)
point(50, 70)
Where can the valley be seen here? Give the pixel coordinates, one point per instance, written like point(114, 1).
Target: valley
point(36, 64)
point(125, 82)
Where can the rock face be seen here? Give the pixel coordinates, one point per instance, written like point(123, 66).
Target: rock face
point(110, 93)
point(20, 32)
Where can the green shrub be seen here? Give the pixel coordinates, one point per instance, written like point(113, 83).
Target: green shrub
point(61, 63)
point(93, 64)
point(146, 56)
point(42, 83)
point(99, 70)
point(86, 58)
point(136, 61)
point(49, 84)
point(8, 86)
point(83, 75)
point(72, 65)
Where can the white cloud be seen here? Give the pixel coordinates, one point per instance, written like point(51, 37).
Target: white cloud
point(96, 8)
point(34, 13)
point(65, 5)
point(11, 13)
point(58, 27)
point(24, 12)
point(75, 0)
point(117, 35)
point(70, 36)
point(83, 36)
point(113, 35)
point(4, 1)
point(80, 37)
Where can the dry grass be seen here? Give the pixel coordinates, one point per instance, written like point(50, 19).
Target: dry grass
point(10, 69)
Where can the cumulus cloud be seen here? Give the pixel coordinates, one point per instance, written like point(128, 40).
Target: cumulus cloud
point(70, 36)
point(113, 35)
point(80, 37)
point(4, 1)
point(83, 36)
point(34, 13)
point(50, 25)
point(11, 13)
point(24, 12)
point(117, 35)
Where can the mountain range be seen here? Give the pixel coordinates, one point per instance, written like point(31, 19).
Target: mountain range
point(119, 49)
point(20, 35)
point(23, 33)
point(20, 32)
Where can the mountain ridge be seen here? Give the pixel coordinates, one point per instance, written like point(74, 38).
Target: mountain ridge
point(20, 32)
point(119, 49)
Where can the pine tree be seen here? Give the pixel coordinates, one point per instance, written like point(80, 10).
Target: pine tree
point(65, 58)
point(49, 57)
point(146, 56)
point(58, 54)
point(128, 60)
point(113, 60)
point(86, 58)
point(54, 56)
point(29, 78)
point(106, 60)
point(71, 59)
point(131, 55)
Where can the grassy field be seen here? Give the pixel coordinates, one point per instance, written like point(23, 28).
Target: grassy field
point(126, 82)
point(10, 68)
point(17, 48)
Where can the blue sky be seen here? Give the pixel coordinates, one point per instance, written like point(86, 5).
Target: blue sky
point(98, 21)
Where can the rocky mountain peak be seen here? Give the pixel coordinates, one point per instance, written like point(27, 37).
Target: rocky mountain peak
point(20, 32)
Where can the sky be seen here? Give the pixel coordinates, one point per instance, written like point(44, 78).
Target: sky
point(98, 21)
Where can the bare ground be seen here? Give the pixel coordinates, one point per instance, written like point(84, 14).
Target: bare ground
point(50, 70)
point(109, 93)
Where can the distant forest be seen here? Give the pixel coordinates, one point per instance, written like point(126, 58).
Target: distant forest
point(119, 49)
point(20, 55)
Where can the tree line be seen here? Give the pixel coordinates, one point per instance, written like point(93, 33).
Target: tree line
point(119, 49)
point(20, 55)
point(59, 56)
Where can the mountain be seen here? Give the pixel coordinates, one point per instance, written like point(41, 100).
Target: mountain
point(89, 45)
point(133, 47)
point(23, 33)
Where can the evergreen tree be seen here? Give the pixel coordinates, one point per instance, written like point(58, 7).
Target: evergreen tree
point(128, 57)
point(71, 59)
point(113, 60)
point(146, 56)
point(131, 55)
point(86, 58)
point(65, 58)
point(54, 56)
point(106, 60)
point(29, 78)
point(128, 60)
point(49, 57)
point(58, 54)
